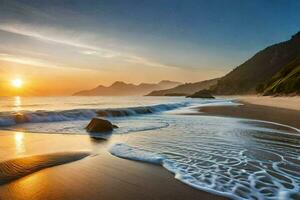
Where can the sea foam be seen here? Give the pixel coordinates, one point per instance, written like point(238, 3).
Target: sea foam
point(13, 118)
point(125, 151)
point(226, 158)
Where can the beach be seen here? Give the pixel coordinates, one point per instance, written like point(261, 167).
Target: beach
point(149, 100)
point(282, 110)
point(80, 167)
point(97, 176)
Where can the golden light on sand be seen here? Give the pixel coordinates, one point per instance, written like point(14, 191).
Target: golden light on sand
point(17, 83)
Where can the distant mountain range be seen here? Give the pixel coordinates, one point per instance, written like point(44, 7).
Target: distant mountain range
point(263, 69)
point(274, 70)
point(185, 89)
point(124, 89)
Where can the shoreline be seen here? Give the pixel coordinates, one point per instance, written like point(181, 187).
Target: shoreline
point(104, 176)
point(98, 176)
point(286, 102)
point(256, 112)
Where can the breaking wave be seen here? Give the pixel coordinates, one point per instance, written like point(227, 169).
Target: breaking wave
point(13, 118)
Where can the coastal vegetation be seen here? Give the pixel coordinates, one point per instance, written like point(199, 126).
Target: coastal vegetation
point(286, 81)
point(265, 71)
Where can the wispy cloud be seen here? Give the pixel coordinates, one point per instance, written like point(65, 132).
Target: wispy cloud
point(33, 62)
point(70, 38)
point(24, 60)
point(144, 61)
point(50, 34)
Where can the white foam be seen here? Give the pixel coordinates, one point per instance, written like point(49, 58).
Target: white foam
point(12, 118)
point(197, 103)
point(223, 159)
point(125, 151)
point(211, 182)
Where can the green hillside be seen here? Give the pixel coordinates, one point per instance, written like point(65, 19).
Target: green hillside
point(286, 81)
point(259, 69)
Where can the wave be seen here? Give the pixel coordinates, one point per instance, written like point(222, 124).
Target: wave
point(274, 183)
point(12, 118)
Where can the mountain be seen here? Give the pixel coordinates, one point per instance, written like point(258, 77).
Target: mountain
point(119, 88)
point(185, 89)
point(286, 81)
point(259, 69)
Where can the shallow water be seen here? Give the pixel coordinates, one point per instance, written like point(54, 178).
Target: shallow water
point(71, 114)
point(240, 159)
point(225, 156)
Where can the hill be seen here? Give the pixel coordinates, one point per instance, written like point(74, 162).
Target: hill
point(286, 81)
point(123, 89)
point(259, 69)
point(185, 89)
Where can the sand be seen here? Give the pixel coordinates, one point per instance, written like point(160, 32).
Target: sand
point(19, 167)
point(291, 103)
point(98, 176)
point(271, 110)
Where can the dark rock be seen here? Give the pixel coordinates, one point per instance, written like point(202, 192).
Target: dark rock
point(202, 94)
point(100, 125)
point(21, 118)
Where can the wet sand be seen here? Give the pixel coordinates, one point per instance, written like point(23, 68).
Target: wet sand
point(16, 168)
point(103, 176)
point(291, 103)
point(98, 176)
point(269, 112)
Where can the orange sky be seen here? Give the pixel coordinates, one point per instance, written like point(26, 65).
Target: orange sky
point(46, 81)
point(61, 47)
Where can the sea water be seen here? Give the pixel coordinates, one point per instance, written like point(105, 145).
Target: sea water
point(237, 158)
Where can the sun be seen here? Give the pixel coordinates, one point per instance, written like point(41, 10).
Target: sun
point(17, 83)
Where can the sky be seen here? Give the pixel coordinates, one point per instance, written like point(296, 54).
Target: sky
point(58, 47)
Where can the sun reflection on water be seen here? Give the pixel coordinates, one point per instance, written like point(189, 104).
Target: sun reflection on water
point(19, 142)
point(17, 103)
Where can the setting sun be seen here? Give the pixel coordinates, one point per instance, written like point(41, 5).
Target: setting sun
point(17, 83)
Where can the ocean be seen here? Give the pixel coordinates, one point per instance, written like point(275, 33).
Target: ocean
point(233, 157)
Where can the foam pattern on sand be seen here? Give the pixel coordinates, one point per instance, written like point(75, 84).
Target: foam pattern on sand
point(226, 156)
point(19, 167)
point(125, 151)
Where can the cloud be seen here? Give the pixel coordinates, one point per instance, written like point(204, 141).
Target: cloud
point(144, 61)
point(98, 53)
point(74, 39)
point(48, 34)
point(33, 62)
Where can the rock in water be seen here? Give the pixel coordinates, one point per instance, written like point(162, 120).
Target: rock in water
point(100, 125)
point(202, 94)
point(20, 118)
